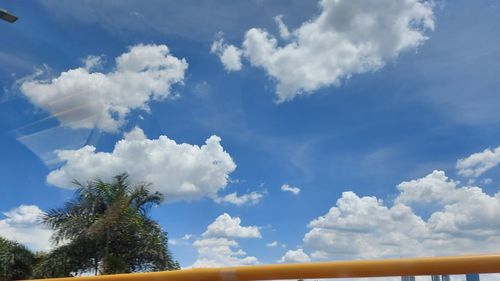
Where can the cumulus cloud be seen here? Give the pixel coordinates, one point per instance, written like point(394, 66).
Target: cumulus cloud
point(294, 256)
point(464, 221)
point(433, 188)
point(478, 163)
point(347, 37)
point(83, 98)
point(217, 252)
point(292, 189)
point(229, 55)
point(179, 170)
point(362, 227)
point(218, 247)
point(251, 198)
point(226, 226)
point(22, 224)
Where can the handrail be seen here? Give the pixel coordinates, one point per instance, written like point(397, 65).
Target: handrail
point(339, 269)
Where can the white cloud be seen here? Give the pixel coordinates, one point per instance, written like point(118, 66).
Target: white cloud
point(82, 98)
point(217, 252)
point(272, 244)
point(283, 29)
point(136, 134)
point(179, 170)
point(478, 163)
point(226, 226)
point(229, 55)
point(216, 248)
point(294, 256)
point(347, 37)
point(363, 228)
point(433, 188)
point(91, 62)
point(291, 189)
point(251, 198)
point(464, 221)
point(22, 224)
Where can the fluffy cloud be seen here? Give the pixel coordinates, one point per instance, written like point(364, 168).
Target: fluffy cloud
point(84, 98)
point(291, 189)
point(364, 228)
point(21, 224)
point(347, 37)
point(294, 256)
point(217, 252)
point(251, 198)
point(229, 55)
point(226, 226)
point(217, 248)
point(464, 221)
point(478, 163)
point(433, 188)
point(180, 171)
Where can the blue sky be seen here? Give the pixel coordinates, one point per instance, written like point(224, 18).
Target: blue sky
point(397, 113)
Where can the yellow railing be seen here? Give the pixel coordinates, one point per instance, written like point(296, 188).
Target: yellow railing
point(339, 269)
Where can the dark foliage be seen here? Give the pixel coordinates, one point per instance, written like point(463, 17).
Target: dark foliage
point(106, 229)
point(16, 261)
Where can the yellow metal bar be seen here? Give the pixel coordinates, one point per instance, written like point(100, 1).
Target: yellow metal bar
point(339, 269)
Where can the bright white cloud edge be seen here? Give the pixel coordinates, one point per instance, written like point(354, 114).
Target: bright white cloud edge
point(348, 37)
point(179, 170)
point(229, 227)
point(294, 256)
point(22, 224)
point(85, 98)
point(478, 163)
point(229, 55)
point(464, 221)
point(218, 245)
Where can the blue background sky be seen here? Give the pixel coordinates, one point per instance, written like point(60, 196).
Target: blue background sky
point(423, 111)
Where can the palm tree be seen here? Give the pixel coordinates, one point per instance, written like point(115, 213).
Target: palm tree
point(15, 261)
point(106, 229)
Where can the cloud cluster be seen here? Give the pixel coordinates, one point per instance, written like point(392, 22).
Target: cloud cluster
point(84, 98)
point(478, 163)
point(347, 37)
point(22, 224)
point(217, 246)
point(464, 220)
point(179, 170)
